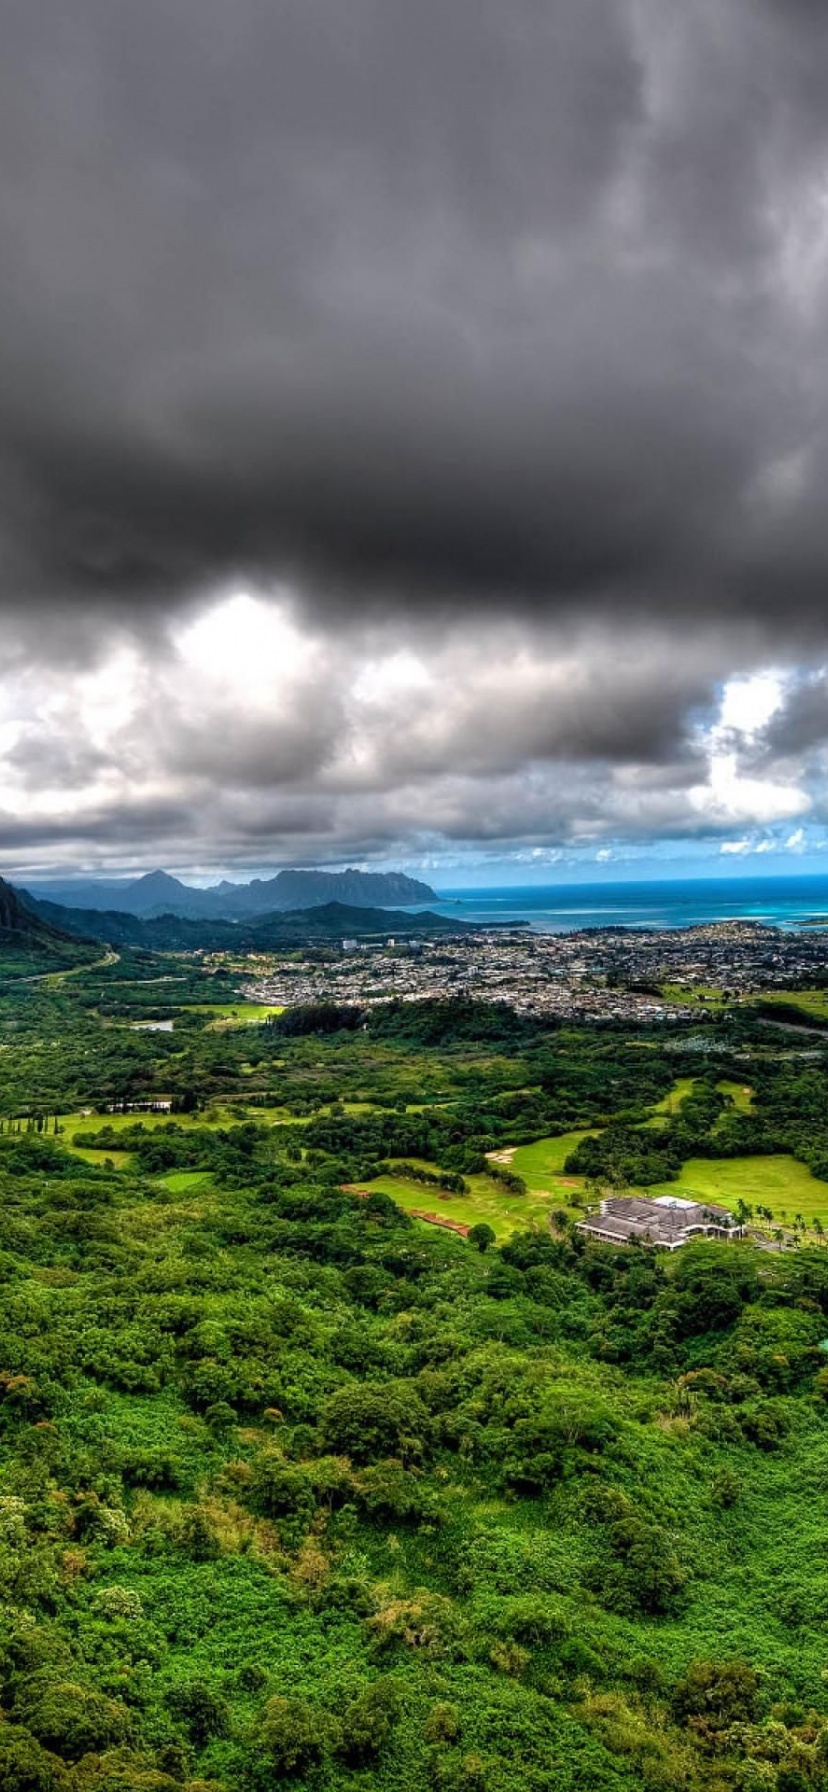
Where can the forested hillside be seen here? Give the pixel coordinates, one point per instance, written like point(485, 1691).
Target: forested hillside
point(170, 932)
point(297, 1490)
point(30, 943)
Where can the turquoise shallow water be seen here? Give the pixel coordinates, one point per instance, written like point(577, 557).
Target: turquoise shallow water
point(786, 902)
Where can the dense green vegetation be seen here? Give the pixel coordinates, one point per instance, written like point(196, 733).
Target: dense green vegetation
point(295, 1489)
point(177, 933)
point(32, 946)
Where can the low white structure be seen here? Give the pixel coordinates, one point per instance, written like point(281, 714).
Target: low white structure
point(664, 1220)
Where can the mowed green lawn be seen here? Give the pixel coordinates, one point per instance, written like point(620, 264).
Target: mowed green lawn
point(781, 1183)
point(118, 1159)
point(233, 1014)
point(181, 1182)
point(740, 1095)
point(542, 1166)
point(811, 1001)
point(213, 1118)
point(670, 1104)
point(693, 995)
point(486, 1200)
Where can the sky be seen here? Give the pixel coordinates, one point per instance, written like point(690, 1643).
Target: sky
point(413, 441)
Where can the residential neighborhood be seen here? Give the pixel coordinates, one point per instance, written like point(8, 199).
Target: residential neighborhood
point(603, 973)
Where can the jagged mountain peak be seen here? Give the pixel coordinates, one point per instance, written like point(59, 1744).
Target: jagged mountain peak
point(157, 880)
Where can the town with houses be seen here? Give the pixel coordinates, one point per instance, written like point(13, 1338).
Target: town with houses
point(604, 973)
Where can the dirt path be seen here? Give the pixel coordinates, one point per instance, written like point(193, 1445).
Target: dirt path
point(436, 1219)
point(417, 1213)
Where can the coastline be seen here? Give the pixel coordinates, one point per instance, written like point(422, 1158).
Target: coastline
point(788, 904)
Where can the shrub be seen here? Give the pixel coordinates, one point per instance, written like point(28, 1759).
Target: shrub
point(726, 1487)
point(821, 1383)
point(203, 1712)
point(651, 1577)
point(156, 1468)
point(369, 1720)
point(427, 1623)
point(388, 1491)
point(442, 1724)
point(292, 1734)
point(72, 1720)
point(25, 1766)
point(715, 1694)
point(509, 1658)
point(280, 1490)
point(765, 1424)
point(196, 1535)
point(221, 1417)
point(119, 1602)
point(375, 1420)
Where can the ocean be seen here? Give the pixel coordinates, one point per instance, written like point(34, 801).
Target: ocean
point(786, 902)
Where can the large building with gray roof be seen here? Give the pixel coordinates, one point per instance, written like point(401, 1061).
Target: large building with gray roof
point(663, 1220)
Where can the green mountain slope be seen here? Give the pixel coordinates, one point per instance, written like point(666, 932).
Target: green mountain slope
point(330, 921)
point(30, 943)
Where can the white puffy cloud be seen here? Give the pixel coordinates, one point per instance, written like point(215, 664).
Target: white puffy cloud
point(248, 735)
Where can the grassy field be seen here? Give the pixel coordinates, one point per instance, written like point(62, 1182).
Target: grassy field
point(811, 1001)
point(181, 1182)
point(486, 1200)
point(233, 1014)
point(781, 1183)
point(671, 1103)
point(696, 995)
point(212, 1118)
point(542, 1166)
point(118, 1159)
point(741, 1096)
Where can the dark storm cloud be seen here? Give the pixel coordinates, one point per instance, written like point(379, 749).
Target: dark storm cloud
point(123, 825)
point(411, 416)
point(801, 725)
point(40, 759)
point(408, 305)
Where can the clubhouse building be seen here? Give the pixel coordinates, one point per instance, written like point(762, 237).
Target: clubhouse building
point(664, 1220)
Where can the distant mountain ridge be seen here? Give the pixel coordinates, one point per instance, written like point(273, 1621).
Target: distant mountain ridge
point(323, 922)
point(157, 893)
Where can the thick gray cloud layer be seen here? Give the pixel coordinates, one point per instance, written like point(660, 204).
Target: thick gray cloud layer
point(415, 303)
point(417, 320)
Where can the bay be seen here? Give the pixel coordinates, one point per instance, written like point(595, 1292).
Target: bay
point(785, 902)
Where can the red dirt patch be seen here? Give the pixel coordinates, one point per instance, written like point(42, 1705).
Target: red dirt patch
point(437, 1219)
